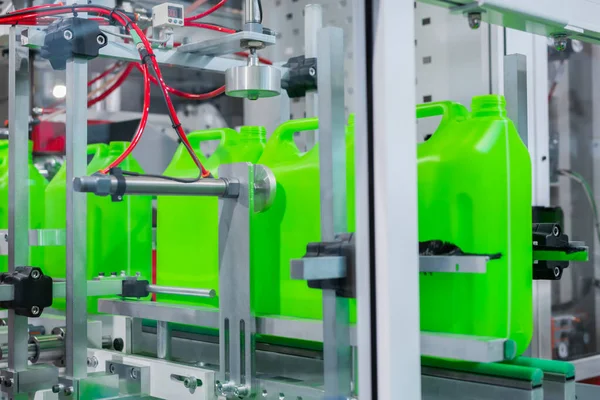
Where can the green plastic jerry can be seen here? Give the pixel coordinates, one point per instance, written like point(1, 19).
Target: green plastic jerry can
point(187, 227)
point(292, 222)
point(474, 188)
point(37, 186)
point(119, 234)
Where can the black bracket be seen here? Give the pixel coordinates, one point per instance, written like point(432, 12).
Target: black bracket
point(32, 291)
point(121, 184)
point(548, 237)
point(135, 288)
point(343, 246)
point(72, 37)
point(301, 76)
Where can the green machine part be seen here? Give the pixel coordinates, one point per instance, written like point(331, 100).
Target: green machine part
point(37, 187)
point(119, 234)
point(188, 227)
point(474, 185)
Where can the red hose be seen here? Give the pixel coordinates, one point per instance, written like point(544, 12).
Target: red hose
point(141, 126)
point(209, 26)
point(186, 95)
point(112, 87)
point(128, 24)
point(207, 12)
point(106, 72)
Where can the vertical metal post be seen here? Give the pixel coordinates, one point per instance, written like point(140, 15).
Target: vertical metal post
point(332, 154)
point(313, 22)
point(163, 340)
point(364, 279)
point(391, 104)
point(535, 50)
point(18, 195)
point(515, 92)
point(76, 164)
point(237, 326)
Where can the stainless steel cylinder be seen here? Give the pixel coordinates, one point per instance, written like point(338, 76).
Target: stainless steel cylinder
point(104, 185)
point(31, 351)
point(107, 342)
point(48, 348)
point(253, 81)
point(252, 12)
point(163, 340)
point(181, 291)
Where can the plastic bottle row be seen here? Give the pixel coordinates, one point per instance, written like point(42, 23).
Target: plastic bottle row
point(474, 192)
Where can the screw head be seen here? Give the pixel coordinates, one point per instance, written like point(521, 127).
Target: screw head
point(69, 391)
point(556, 272)
point(118, 344)
point(556, 230)
point(92, 362)
point(67, 34)
point(312, 71)
point(35, 274)
point(35, 310)
point(133, 373)
point(58, 388)
point(111, 368)
point(9, 382)
point(474, 20)
point(101, 40)
point(560, 42)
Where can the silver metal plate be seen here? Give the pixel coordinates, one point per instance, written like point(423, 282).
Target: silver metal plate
point(463, 347)
point(311, 268)
point(226, 44)
point(454, 264)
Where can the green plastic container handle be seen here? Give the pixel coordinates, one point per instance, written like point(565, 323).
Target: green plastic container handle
point(449, 110)
point(222, 134)
point(97, 149)
point(285, 132)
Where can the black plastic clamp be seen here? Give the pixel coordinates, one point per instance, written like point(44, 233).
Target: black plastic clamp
point(549, 237)
point(343, 246)
point(72, 37)
point(135, 288)
point(301, 76)
point(121, 184)
point(32, 291)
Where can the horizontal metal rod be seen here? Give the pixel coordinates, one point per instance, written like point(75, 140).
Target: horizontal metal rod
point(99, 287)
point(181, 291)
point(104, 185)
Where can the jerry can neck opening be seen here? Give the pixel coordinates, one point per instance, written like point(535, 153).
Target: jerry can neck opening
point(488, 106)
point(253, 134)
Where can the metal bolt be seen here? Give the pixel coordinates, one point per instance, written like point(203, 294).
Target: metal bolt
point(101, 40)
point(68, 34)
point(312, 71)
point(190, 382)
point(134, 373)
point(35, 274)
point(9, 382)
point(111, 368)
point(35, 310)
point(123, 273)
point(556, 230)
point(69, 391)
point(560, 42)
point(474, 20)
point(241, 391)
point(92, 362)
point(58, 388)
point(556, 272)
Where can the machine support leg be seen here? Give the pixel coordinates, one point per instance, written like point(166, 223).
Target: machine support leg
point(337, 353)
point(18, 201)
